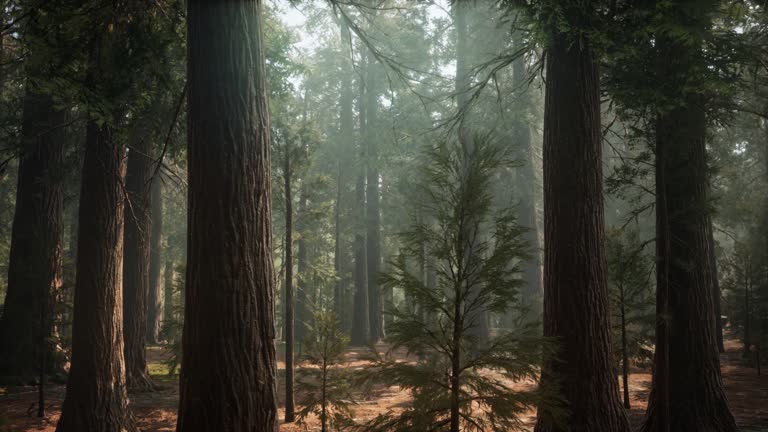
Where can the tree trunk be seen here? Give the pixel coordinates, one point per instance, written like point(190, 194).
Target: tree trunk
point(624, 353)
point(576, 309)
point(360, 315)
point(168, 285)
point(302, 271)
point(35, 267)
point(96, 397)
point(138, 229)
point(715, 286)
point(346, 132)
point(290, 415)
point(228, 375)
point(687, 392)
point(526, 182)
point(372, 210)
point(155, 300)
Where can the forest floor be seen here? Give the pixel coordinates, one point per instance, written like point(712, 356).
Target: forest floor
point(156, 411)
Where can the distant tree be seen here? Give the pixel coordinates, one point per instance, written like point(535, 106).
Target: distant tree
point(460, 381)
point(323, 386)
point(230, 283)
point(629, 280)
point(155, 299)
point(136, 256)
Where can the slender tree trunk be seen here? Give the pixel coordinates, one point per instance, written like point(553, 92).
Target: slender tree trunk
point(715, 286)
point(624, 354)
point(526, 180)
point(96, 397)
point(35, 267)
point(372, 210)
point(168, 285)
point(290, 415)
point(155, 301)
point(346, 132)
point(687, 392)
point(576, 309)
point(302, 270)
point(228, 375)
point(138, 229)
point(360, 315)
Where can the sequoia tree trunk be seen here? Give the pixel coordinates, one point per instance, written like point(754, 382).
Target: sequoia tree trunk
point(96, 397)
point(155, 299)
point(138, 226)
point(35, 268)
point(372, 210)
point(228, 375)
point(576, 309)
point(687, 393)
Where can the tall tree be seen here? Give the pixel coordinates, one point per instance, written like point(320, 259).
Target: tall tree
point(687, 393)
point(155, 298)
point(526, 181)
point(136, 256)
point(290, 414)
point(228, 378)
point(372, 210)
point(361, 334)
point(96, 396)
point(576, 309)
point(34, 271)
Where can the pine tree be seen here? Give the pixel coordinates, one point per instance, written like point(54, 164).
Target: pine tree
point(455, 378)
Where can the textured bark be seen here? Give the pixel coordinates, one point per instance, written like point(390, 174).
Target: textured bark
point(35, 267)
point(96, 397)
point(575, 286)
point(228, 376)
point(155, 299)
point(290, 414)
point(687, 393)
point(138, 230)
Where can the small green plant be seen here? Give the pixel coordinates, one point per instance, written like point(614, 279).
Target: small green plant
point(322, 385)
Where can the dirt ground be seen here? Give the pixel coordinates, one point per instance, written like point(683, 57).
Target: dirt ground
point(156, 411)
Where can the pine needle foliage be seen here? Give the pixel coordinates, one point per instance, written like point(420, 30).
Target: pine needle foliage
point(458, 381)
point(322, 385)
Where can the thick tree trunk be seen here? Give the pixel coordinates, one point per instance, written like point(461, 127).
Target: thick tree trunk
point(290, 415)
point(138, 230)
point(687, 392)
point(576, 309)
point(96, 397)
point(35, 268)
point(360, 314)
point(228, 376)
point(155, 299)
